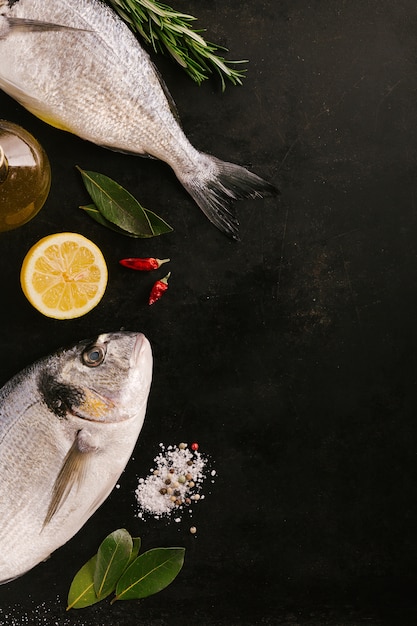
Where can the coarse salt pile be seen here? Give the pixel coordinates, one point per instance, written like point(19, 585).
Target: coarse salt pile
point(174, 484)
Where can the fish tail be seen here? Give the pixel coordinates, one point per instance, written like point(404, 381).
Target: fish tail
point(215, 184)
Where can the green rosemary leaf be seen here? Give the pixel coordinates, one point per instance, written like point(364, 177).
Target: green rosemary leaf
point(169, 31)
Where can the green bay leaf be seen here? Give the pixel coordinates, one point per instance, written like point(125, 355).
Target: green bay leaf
point(95, 214)
point(137, 542)
point(112, 558)
point(159, 226)
point(81, 592)
point(149, 573)
point(119, 207)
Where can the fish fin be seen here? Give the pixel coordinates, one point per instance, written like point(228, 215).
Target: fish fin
point(23, 24)
point(72, 474)
point(167, 93)
point(217, 184)
point(142, 155)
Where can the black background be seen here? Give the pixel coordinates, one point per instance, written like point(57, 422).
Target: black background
point(290, 356)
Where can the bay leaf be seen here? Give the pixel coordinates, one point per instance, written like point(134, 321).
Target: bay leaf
point(158, 225)
point(137, 542)
point(112, 558)
point(149, 573)
point(81, 592)
point(95, 214)
point(120, 207)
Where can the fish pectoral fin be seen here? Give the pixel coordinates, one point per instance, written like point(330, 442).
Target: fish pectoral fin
point(72, 472)
point(22, 24)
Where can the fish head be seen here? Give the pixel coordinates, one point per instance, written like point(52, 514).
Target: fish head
point(104, 380)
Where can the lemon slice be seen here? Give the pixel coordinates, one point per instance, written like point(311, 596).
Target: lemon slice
point(64, 275)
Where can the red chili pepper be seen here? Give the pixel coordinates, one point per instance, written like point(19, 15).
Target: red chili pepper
point(146, 264)
point(159, 288)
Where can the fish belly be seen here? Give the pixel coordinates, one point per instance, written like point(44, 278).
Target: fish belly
point(96, 82)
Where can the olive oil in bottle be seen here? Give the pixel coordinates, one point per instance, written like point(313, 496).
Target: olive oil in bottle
point(25, 176)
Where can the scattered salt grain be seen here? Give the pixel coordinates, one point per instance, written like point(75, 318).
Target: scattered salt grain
point(32, 614)
point(174, 482)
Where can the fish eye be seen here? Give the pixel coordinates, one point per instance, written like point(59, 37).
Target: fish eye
point(94, 355)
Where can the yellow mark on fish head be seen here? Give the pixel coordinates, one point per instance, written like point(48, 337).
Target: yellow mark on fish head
point(95, 406)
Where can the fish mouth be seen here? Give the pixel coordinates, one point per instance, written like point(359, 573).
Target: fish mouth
point(141, 351)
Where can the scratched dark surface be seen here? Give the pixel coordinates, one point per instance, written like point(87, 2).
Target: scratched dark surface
point(290, 356)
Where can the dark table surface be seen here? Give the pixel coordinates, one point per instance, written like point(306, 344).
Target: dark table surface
point(288, 356)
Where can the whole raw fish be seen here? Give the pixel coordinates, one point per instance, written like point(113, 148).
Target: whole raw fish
point(76, 65)
point(68, 425)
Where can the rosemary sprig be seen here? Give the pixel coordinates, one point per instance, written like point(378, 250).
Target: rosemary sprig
point(170, 31)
